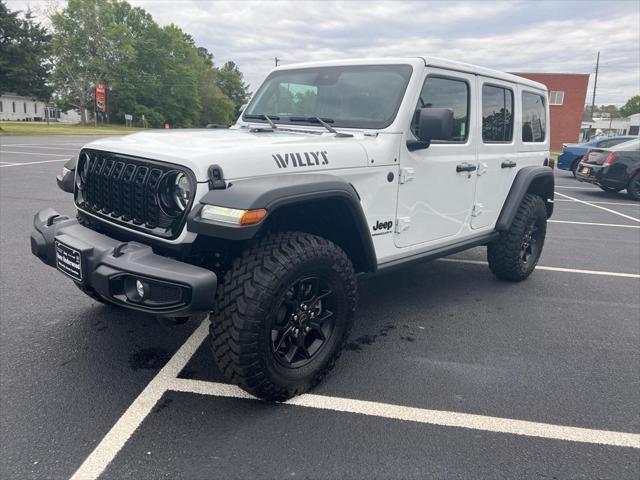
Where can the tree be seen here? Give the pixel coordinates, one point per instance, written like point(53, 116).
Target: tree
point(631, 107)
point(24, 54)
point(149, 70)
point(231, 82)
point(87, 44)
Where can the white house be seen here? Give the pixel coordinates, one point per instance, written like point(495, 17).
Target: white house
point(611, 126)
point(18, 108)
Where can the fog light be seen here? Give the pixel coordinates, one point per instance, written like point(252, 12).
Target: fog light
point(140, 288)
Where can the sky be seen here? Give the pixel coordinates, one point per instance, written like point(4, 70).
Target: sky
point(522, 36)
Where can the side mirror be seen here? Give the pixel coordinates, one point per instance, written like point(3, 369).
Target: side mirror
point(433, 124)
point(66, 179)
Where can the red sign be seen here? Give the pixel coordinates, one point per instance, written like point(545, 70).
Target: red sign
point(100, 96)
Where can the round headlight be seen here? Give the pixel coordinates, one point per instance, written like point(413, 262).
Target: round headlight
point(182, 191)
point(175, 193)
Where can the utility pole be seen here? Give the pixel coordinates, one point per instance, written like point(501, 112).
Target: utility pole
point(593, 98)
point(277, 60)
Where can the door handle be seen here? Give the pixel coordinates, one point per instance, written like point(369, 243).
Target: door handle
point(508, 164)
point(466, 167)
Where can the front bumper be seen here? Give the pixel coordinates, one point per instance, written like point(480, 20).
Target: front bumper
point(112, 268)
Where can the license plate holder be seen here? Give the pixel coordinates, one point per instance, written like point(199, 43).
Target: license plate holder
point(69, 261)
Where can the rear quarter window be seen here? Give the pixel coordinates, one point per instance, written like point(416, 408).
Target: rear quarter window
point(534, 118)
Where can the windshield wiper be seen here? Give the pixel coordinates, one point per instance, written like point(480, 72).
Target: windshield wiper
point(262, 116)
point(323, 122)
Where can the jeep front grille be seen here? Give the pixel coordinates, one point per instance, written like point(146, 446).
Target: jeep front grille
point(126, 190)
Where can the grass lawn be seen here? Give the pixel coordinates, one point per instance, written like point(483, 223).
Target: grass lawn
point(29, 128)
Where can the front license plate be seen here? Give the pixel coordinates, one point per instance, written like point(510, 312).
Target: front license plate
point(69, 261)
point(585, 170)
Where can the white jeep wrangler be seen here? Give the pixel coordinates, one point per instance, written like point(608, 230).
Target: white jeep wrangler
point(334, 169)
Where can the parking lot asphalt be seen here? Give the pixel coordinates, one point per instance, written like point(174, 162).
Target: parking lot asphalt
point(448, 373)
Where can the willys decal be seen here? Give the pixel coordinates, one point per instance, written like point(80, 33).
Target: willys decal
point(303, 159)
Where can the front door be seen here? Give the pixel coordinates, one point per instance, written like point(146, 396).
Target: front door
point(437, 184)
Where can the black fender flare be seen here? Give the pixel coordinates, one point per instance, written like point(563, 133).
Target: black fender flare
point(531, 179)
point(275, 192)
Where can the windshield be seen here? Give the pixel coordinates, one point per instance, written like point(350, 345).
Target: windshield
point(360, 96)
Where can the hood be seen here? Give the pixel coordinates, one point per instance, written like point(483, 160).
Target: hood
point(240, 152)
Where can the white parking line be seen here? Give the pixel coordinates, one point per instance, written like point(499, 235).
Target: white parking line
point(32, 153)
point(626, 204)
point(578, 188)
point(63, 159)
point(41, 144)
point(598, 206)
point(128, 423)
point(167, 380)
point(431, 417)
point(594, 224)
point(549, 269)
point(48, 147)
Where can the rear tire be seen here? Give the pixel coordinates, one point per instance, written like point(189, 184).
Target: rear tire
point(516, 253)
point(610, 189)
point(633, 189)
point(284, 310)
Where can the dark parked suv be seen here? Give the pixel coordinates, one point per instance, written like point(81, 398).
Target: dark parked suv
point(613, 169)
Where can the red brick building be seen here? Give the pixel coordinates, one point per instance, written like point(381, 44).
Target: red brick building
point(567, 95)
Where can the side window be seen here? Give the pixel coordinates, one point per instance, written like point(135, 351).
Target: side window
point(439, 92)
point(497, 114)
point(534, 117)
point(607, 143)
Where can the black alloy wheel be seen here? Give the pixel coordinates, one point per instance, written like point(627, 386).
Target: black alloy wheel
point(303, 323)
point(531, 240)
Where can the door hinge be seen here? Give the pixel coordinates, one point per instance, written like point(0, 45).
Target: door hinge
point(476, 210)
point(482, 168)
point(402, 224)
point(406, 175)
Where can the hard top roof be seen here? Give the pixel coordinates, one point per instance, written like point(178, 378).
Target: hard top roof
point(428, 61)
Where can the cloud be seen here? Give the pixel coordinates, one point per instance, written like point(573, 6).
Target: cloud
point(541, 36)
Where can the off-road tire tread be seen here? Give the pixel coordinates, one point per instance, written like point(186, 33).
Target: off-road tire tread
point(248, 284)
point(503, 254)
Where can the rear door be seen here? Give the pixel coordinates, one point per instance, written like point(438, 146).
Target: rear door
point(497, 156)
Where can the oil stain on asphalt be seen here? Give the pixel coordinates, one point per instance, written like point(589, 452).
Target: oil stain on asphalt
point(149, 359)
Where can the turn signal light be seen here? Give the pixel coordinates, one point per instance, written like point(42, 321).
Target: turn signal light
point(610, 159)
point(233, 215)
point(252, 217)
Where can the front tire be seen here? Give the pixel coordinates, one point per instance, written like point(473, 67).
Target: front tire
point(516, 253)
point(284, 310)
